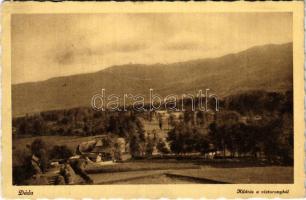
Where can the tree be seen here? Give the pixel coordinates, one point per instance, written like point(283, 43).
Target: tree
point(216, 136)
point(39, 149)
point(184, 138)
point(221, 131)
point(175, 139)
point(117, 152)
point(23, 128)
point(200, 117)
point(39, 126)
point(150, 147)
point(160, 121)
point(188, 116)
point(60, 152)
point(181, 118)
point(113, 125)
point(272, 132)
point(135, 148)
point(171, 120)
point(201, 142)
point(150, 115)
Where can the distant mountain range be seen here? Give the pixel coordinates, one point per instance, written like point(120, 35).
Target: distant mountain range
point(267, 67)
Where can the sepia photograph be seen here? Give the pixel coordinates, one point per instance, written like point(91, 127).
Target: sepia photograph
point(153, 98)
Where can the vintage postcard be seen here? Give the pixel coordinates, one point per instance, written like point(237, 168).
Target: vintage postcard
point(151, 100)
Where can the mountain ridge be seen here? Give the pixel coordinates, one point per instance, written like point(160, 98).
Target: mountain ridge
point(267, 67)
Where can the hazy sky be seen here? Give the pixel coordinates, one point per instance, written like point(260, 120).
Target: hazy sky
point(45, 46)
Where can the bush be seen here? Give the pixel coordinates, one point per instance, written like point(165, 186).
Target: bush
point(60, 152)
point(21, 166)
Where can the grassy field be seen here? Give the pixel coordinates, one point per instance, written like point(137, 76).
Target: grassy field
point(172, 172)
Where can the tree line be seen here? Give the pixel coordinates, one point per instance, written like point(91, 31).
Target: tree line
point(255, 123)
